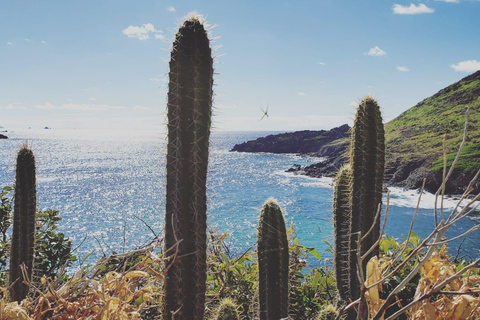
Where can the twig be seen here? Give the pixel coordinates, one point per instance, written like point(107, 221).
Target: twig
point(435, 289)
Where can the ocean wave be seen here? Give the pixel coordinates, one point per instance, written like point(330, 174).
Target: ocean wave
point(409, 198)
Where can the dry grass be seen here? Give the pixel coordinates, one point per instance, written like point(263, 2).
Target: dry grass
point(118, 287)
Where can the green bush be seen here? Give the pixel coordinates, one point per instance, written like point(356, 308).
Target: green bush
point(53, 249)
point(236, 277)
point(5, 223)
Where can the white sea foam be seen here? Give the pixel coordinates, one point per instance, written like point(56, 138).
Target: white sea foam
point(398, 196)
point(306, 181)
point(409, 198)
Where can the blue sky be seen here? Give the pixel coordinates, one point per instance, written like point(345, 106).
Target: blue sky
point(104, 63)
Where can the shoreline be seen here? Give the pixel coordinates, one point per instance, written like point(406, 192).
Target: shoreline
point(399, 197)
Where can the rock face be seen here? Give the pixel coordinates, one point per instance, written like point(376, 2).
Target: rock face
point(303, 142)
point(3, 136)
point(414, 139)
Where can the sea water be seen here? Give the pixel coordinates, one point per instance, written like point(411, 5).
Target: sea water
point(109, 187)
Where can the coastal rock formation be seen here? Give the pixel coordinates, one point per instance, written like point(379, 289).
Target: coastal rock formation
point(303, 142)
point(3, 136)
point(414, 142)
point(414, 139)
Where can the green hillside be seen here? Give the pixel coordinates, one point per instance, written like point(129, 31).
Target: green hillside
point(415, 138)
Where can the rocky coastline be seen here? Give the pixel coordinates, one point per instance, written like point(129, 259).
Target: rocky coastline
point(333, 146)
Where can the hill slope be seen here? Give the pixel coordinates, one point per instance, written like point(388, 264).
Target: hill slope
point(414, 139)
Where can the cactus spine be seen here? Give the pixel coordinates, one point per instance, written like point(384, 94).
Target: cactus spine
point(367, 159)
point(189, 121)
point(227, 310)
point(342, 218)
point(23, 235)
point(272, 263)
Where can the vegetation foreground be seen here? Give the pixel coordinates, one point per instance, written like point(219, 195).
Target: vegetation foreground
point(191, 274)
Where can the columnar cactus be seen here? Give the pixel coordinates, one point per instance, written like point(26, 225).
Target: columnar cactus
point(272, 263)
point(24, 219)
point(189, 121)
point(342, 218)
point(367, 159)
point(227, 310)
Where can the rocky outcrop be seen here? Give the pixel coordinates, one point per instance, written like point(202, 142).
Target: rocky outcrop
point(414, 139)
point(318, 143)
point(3, 136)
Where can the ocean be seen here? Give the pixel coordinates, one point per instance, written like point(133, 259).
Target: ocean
point(108, 185)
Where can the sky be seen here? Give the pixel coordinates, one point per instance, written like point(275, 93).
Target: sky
point(103, 64)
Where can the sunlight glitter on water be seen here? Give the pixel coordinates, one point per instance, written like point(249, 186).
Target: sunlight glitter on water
point(103, 181)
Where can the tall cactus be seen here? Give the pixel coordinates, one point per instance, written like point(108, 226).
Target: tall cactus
point(367, 159)
point(342, 218)
point(272, 263)
point(189, 121)
point(24, 219)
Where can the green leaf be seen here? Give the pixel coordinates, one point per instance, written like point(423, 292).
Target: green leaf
point(316, 278)
point(86, 257)
point(315, 253)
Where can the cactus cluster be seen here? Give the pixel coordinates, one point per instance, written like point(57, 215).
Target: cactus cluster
point(189, 120)
point(24, 220)
point(273, 262)
point(358, 197)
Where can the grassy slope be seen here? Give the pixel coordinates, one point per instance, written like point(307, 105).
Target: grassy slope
point(418, 132)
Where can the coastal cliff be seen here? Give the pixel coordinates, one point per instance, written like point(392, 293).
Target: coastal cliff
point(302, 142)
point(414, 142)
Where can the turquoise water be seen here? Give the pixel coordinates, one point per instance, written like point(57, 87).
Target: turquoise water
point(101, 181)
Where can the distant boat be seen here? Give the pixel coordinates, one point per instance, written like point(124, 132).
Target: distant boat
point(47, 128)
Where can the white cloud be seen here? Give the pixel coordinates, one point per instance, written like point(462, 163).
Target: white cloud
point(92, 99)
point(159, 36)
point(26, 39)
point(142, 32)
point(322, 63)
point(154, 79)
point(302, 94)
point(138, 107)
point(10, 44)
point(450, 1)
point(12, 107)
point(376, 51)
point(44, 42)
point(354, 104)
point(403, 69)
point(72, 106)
point(412, 9)
point(466, 66)
point(171, 9)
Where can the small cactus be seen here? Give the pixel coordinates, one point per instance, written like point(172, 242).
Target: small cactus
point(227, 310)
point(367, 159)
point(273, 262)
point(189, 121)
point(328, 312)
point(342, 217)
point(24, 219)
